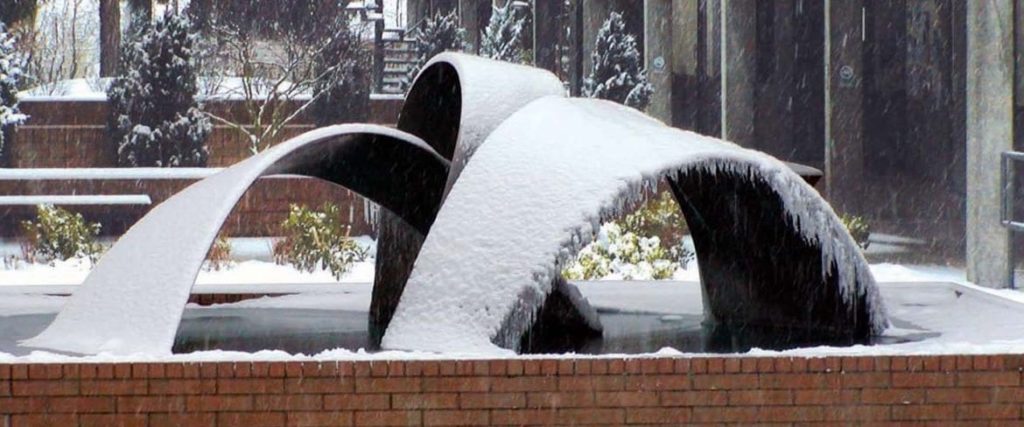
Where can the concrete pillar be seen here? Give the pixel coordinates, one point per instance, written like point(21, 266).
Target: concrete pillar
point(844, 103)
point(658, 56)
point(685, 64)
point(989, 132)
point(738, 62)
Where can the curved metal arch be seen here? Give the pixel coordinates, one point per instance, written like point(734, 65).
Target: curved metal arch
point(152, 267)
point(456, 101)
point(755, 201)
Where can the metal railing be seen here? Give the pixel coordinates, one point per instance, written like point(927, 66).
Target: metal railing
point(1006, 214)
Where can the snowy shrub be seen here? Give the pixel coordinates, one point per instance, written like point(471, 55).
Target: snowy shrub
point(621, 254)
point(644, 245)
point(439, 34)
point(154, 116)
point(858, 228)
point(59, 235)
point(317, 239)
point(502, 39)
point(11, 62)
point(219, 256)
point(344, 98)
point(617, 72)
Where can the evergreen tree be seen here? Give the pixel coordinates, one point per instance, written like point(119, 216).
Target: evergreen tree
point(503, 37)
point(11, 63)
point(346, 96)
point(439, 34)
point(617, 73)
point(154, 115)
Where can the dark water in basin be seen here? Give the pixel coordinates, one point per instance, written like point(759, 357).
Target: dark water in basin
point(312, 331)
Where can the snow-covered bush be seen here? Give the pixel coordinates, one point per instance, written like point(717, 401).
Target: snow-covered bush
point(59, 235)
point(345, 98)
point(11, 62)
point(502, 39)
point(858, 228)
point(644, 245)
point(154, 116)
point(219, 256)
point(617, 72)
point(438, 34)
point(317, 239)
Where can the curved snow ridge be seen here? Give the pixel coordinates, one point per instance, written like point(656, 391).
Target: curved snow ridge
point(537, 191)
point(133, 300)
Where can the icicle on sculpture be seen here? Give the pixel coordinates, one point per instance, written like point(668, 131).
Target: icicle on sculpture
point(492, 181)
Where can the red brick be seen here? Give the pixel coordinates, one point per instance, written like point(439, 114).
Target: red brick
point(602, 383)
point(457, 384)
point(46, 420)
point(590, 416)
point(716, 365)
point(425, 401)
point(566, 367)
point(988, 412)
point(357, 402)
point(379, 369)
point(176, 420)
point(515, 367)
point(798, 381)
point(672, 416)
point(514, 384)
point(492, 400)
point(735, 365)
point(1008, 394)
point(658, 382)
point(388, 385)
point(774, 414)
point(988, 379)
point(959, 395)
point(922, 412)
point(45, 371)
point(182, 386)
point(865, 380)
point(44, 388)
point(519, 417)
point(760, 397)
point(218, 403)
point(825, 397)
point(79, 404)
point(548, 367)
point(319, 419)
point(618, 399)
point(892, 396)
point(112, 387)
point(250, 386)
point(455, 418)
point(855, 413)
point(387, 418)
point(5, 372)
point(111, 420)
point(319, 385)
point(724, 415)
point(150, 404)
point(238, 419)
point(695, 398)
point(725, 382)
point(497, 367)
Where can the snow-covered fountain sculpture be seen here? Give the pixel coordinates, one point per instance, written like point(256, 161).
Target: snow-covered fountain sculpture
point(492, 181)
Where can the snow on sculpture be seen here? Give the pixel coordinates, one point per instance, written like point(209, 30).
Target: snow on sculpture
point(540, 186)
point(133, 299)
point(499, 179)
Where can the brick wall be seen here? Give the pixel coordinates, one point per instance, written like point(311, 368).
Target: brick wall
point(258, 213)
point(658, 391)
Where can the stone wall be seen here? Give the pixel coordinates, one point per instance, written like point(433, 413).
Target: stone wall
point(543, 391)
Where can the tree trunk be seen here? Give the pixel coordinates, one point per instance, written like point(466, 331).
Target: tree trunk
point(110, 37)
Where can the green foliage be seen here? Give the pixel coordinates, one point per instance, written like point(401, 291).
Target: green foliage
point(617, 73)
point(219, 256)
point(646, 244)
point(438, 34)
point(317, 239)
point(59, 235)
point(11, 76)
point(154, 115)
point(858, 228)
point(345, 96)
point(502, 39)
